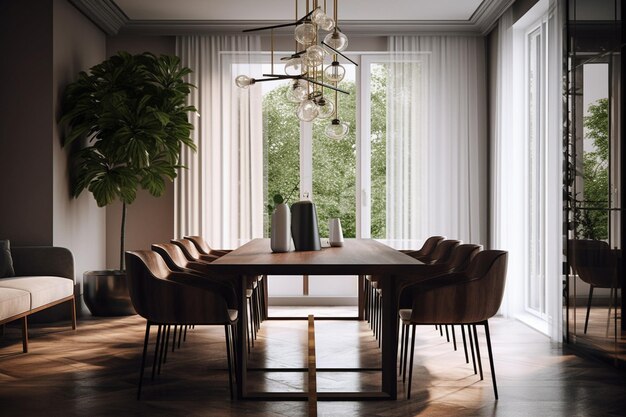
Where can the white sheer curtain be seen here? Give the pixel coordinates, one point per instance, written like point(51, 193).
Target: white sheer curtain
point(507, 165)
point(220, 194)
point(437, 138)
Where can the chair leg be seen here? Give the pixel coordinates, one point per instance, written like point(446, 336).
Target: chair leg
point(588, 308)
point(374, 311)
point(464, 343)
point(608, 318)
point(406, 352)
point(174, 339)
point(453, 337)
point(25, 334)
point(251, 317)
point(380, 321)
point(156, 350)
point(185, 336)
point(447, 334)
point(493, 370)
point(471, 343)
point(73, 312)
point(180, 334)
point(162, 347)
point(228, 359)
point(401, 348)
point(143, 358)
point(167, 343)
point(408, 392)
point(480, 364)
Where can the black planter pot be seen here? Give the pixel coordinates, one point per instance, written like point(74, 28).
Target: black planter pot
point(106, 293)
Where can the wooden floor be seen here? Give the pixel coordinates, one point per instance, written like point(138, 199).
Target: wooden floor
point(94, 371)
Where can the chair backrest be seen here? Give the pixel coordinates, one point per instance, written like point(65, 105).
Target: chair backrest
point(470, 297)
point(429, 246)
point(593, 261)
point(200, 244)
point(461, 256)
point(188, 248)
point(442, 252)
point(162, 301)
point(172, 254)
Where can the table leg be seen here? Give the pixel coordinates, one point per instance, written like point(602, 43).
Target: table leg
point(389, 336)
point(361, 297)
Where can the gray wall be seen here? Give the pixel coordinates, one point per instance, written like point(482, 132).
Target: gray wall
point(149, 219)
point(78, 224)
point(46, 46)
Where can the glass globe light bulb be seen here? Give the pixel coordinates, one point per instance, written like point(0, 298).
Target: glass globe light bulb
point(305, 33)
point(297, 91)
point(317, 15)
point(336, 129)
point(307, 111)
point(326, 23)
point(322, 20)
point(336, 40)
point(243, 81)
point(334, 72)
point(314, 56)
point(325, 108)
point(293, 66)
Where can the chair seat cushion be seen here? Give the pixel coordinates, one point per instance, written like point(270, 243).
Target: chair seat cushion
point(43, 290)
point(405, 314)
point(13, 302)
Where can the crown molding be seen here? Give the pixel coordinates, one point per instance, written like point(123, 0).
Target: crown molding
point(488, 13)
point(112, 20)
point(361, 27)
point(106, 14)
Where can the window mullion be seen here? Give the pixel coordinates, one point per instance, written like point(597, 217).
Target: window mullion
point(306, 160)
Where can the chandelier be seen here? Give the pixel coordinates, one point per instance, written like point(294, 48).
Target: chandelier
point(313, 68)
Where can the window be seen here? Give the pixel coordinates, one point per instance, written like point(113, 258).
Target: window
point(536, 167)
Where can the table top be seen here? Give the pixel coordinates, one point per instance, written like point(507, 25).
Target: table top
point(355, 257)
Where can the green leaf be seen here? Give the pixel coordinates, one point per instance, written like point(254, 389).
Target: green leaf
point(278, 199)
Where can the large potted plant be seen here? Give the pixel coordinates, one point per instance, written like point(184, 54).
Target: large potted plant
point(126, 121)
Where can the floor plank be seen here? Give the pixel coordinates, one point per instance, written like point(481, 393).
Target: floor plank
point(93, 372)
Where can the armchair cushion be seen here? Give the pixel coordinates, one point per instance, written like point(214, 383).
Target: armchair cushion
point(6, 262)
point(43, 289)
point(13, 302)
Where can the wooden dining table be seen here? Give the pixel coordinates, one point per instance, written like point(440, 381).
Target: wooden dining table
point(356, 257)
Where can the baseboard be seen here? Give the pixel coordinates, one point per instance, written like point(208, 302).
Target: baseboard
point(305, 300)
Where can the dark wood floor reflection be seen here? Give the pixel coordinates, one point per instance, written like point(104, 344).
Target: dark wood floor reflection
point(93, 372)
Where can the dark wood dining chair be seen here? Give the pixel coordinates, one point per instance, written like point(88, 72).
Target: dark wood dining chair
point(467, 298)
point(596, 264)
point(175, 258)
point(165, 298)
point(191, 252)
point(203, 247)
point(427, 248)
point(458, 261)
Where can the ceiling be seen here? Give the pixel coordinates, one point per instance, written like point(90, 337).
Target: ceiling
point(355, 16)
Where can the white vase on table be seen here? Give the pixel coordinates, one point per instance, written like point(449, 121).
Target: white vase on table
point(335, 234)
point(280, 233)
